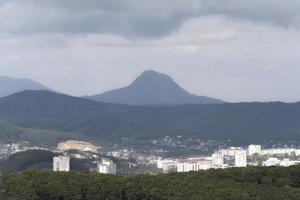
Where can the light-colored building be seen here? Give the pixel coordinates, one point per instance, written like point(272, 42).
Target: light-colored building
point(230, 152)
point(107, 166)
point(254, 149)
point(279, 151)
point(217, 159)
point(167, 165)
point(271, 162)
point(286, 162)
point(61, 164)
point(240, 158)
point(189, 165)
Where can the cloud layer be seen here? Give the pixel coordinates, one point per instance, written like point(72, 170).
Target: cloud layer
point(135, 18)
point(236, 50)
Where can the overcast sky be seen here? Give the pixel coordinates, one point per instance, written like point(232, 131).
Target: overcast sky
point(235, 50)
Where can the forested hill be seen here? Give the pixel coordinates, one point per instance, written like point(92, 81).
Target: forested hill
point(230, 184)
point(241, 121)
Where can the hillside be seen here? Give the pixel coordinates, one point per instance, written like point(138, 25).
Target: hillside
point(38, 137)
point(28, 159)
point(236, 183)
point(10, 86)
point(36, 159)
point(241, 122)
point(152, 88)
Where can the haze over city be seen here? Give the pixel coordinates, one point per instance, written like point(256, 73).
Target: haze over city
point(230, 50)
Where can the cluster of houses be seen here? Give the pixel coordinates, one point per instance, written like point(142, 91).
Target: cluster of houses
point(63, 164)
point(253, 155)
point(231, 157)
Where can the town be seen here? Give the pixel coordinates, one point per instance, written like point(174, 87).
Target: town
point(115, 160)
point(253, 155)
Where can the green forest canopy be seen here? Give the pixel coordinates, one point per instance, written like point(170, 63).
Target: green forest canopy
point(274, 183)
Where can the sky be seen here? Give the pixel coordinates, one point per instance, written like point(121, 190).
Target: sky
point(235, 50)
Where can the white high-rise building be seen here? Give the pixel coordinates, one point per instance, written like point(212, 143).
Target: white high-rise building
point(61, 164)
point(107, 166)
point(240, 158)
point(253, 149)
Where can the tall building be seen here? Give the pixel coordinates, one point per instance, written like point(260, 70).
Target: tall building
point(240, 158)
point(61, 164)
point(254, 149)
point(107, 166)
point(217, 159)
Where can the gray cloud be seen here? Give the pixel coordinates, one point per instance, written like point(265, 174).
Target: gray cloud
point(236, 50)
point(135, 18)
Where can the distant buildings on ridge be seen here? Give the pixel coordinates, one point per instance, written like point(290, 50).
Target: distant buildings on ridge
point(62, 163)
point(253, 155)
point(230, 157)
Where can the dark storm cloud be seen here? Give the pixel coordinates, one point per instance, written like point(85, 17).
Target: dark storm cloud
point(129, 18)
point(135, 18)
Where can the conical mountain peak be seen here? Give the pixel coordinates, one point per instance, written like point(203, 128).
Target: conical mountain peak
point(150, 88)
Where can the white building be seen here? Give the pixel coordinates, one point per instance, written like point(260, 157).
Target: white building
point(61, 164)
point(217, 159)
point(278, 151)
point(230, 152)
point(254, 149)
point(107, 166)
point(189, 165)
point(167, 165)
point(240, 158)
point(271, 162)
point(286, 162)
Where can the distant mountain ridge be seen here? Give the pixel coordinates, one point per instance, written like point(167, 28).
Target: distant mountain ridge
point(10, 86)
point(241, 122)
point(153, 88)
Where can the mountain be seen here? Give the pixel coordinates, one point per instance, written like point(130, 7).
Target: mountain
point(240, 122)
point(12, 85)
point(152, 88)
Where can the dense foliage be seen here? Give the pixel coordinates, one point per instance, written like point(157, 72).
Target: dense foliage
point(27, 159)
point(37, 159)
point(243, 122)
point(230, 184)
point(9, 134)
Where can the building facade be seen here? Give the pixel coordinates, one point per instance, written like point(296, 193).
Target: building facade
point(61, 164)
point(189, 165)
point(240, 158)
point(107, 166)
point(217, 159)
point(254, 149)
